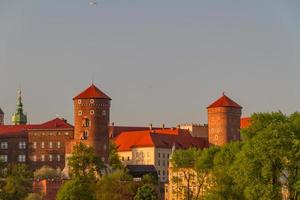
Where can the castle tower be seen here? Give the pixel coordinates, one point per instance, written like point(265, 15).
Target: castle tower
point(223, 121)
point(1, 117)
point(19, 117)
point(91, 121)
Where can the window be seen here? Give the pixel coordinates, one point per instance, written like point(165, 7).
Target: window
point(92, 112)
point(3, 158)
point(79, 101)
point(22, 158)
point(92, 101)
point(84, 135)
point(34, 145)
point(79, 112)
point(50, 157)
point(50, 145)
point(128, 158)
point(159, 155)
point(42, 158)
point(158, 172)
point(163, 155)
point(22, 145)
point(3, 145)
point(158, 162)
point(104, 147)
point(42, 145)
point(164, 163)
point(58, 158)
point(122, 158)
point(164, 172)
point(66, 133)
point(58, 144)
point(86, 122)
point(34, 158)
point(103, 112)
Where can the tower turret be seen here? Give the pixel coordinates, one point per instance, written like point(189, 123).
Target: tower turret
point(223, 121)
point(19, 117)
point(91, 120)
point(1, 117)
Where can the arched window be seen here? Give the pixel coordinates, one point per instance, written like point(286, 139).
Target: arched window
point(84, 135)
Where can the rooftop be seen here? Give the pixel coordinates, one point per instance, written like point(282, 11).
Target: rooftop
point(92, 92)
point(224, 101)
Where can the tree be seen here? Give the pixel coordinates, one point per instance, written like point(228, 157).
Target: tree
point(83, 189)
point(116, 186)
point(17, 182)
point(46, 172)
point(183, 162)
point(33, 196)
point(270, 157)
point(146, 192)
point(114, 159)
point(84, 163)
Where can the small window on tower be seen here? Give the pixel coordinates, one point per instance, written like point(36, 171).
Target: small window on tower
point(92, 101)
point(79, 101)
point(86, 122)
point(79, 112)
point(84, 135)
point(92, 112)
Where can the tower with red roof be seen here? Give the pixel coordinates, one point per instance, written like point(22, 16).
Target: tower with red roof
point(91, 121)
point(223, 121)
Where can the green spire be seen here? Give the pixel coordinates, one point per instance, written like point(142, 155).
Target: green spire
point(19, 117)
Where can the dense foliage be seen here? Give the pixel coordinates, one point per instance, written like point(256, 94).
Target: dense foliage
point(265, 165)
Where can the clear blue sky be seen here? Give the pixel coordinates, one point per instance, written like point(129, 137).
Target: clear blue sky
point(161, 61)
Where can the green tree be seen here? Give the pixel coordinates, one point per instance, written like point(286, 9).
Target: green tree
point(270, 157)
point(146, 192)
point(116, 186)
point(77, 189)
point(33, 196)
point(114, 159)
point(18, 180)
point(47, 172)
point(183, 161)
point(84, 163)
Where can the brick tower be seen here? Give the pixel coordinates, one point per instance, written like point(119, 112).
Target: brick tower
point(91, 120)
point(223, 121)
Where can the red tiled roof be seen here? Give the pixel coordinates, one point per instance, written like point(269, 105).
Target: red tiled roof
point(224, 101)
point(245, 122)
point(162, 138)
point(92, 92)
point(56, 123)
point(114, 131)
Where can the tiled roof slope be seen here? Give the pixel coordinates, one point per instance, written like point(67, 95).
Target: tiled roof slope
point(161, 138)
point(92, 92)
point(224, 101)
point(56, 123)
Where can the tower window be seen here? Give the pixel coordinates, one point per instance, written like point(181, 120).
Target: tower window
point(79, 112)
point(92, 112)
point(79, 101)
point(85, 135)
point(50, 145)
point(50, 157)
point(42, 158)
point(58, 158)
point(58, 144)
point(92, 100)
point(86, 122)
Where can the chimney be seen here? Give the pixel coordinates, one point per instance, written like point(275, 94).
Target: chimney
point(163, 126)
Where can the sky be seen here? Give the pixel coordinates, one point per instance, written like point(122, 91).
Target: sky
point(161, 61)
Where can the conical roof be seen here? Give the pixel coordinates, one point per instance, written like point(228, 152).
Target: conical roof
point(224, 101)
point(92, 92)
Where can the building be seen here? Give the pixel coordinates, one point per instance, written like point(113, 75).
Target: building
point(154, 147)
point(224, 123)
point(196, 130)
point(224, 116)
point(35, 144)
point(91, 118)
